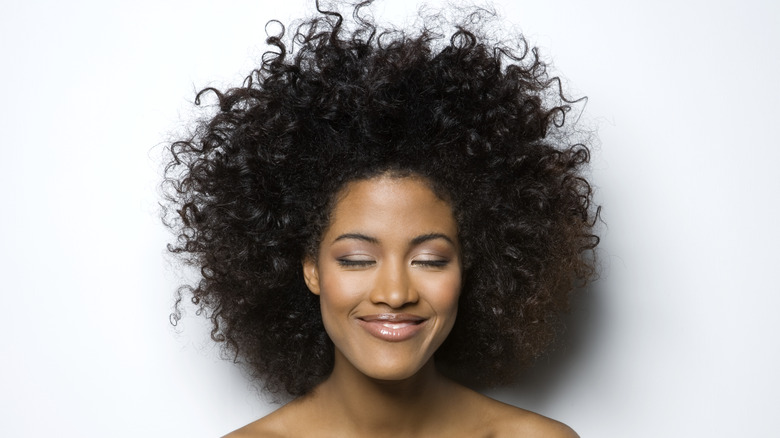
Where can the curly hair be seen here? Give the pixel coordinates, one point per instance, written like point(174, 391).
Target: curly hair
point(249, 193)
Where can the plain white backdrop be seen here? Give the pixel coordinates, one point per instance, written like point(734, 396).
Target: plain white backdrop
point(679, 338)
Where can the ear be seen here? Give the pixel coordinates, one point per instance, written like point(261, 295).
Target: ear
point(311, 275)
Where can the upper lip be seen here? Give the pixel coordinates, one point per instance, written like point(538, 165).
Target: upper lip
point(392, 317)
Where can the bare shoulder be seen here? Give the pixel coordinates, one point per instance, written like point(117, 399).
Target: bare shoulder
point(274, 425)
point(262, 428)
point(528, 424)
point(507, 421)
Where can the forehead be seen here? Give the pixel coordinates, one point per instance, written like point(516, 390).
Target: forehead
point(389, 204)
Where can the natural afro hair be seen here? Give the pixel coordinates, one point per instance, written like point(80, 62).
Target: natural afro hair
point(249, 193)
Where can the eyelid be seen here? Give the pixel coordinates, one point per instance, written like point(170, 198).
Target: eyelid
point(431, 263)
point(355, 263)
point(430, 260)
point(355, 260)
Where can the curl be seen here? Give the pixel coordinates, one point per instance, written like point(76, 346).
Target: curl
point(249, 194)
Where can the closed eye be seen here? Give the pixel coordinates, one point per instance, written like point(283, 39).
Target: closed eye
point(431, 263)
point(349, 263)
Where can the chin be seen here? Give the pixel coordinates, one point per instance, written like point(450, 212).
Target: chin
point(391, 372)
point(393, 375)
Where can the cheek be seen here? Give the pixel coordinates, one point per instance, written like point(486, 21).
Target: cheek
point(339, 296)
point(443, 297)
point(339, 293)
point(443, 293)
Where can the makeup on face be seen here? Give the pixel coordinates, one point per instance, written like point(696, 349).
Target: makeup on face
point(388, 274)
point(392, 327)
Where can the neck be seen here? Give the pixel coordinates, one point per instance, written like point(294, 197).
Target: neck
point(377, 407)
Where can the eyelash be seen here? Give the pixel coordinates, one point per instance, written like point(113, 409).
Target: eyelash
point(346, 263)
point(431, 263)
point(366, 263)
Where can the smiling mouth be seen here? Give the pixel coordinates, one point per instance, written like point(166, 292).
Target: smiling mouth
point(397, 325)
point(392, 327)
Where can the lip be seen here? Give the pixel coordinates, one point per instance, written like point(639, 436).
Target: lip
point(392, 327)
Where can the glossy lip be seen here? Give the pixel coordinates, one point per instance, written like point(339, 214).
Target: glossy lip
point(392, 327)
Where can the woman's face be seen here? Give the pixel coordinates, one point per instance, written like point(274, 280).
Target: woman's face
point(388, 274)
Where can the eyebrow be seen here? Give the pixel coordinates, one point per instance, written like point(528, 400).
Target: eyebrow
point(431, 236)
point(357, 236)
point(416, 241)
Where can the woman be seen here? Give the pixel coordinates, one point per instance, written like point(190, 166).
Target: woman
point(381, 218)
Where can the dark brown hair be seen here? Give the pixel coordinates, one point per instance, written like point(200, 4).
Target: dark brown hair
point(249, 194)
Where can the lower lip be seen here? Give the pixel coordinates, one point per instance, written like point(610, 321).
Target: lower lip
point(391, 331)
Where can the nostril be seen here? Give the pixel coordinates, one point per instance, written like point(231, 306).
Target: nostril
point(394, 296)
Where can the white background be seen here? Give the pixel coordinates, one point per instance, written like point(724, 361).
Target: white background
point(679, 337)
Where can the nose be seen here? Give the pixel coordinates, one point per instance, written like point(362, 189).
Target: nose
point(393, 286)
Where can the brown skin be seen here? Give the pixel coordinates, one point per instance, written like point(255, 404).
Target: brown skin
point(392, 249)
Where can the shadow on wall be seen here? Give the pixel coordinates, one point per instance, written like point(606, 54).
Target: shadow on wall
point(538, 386)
